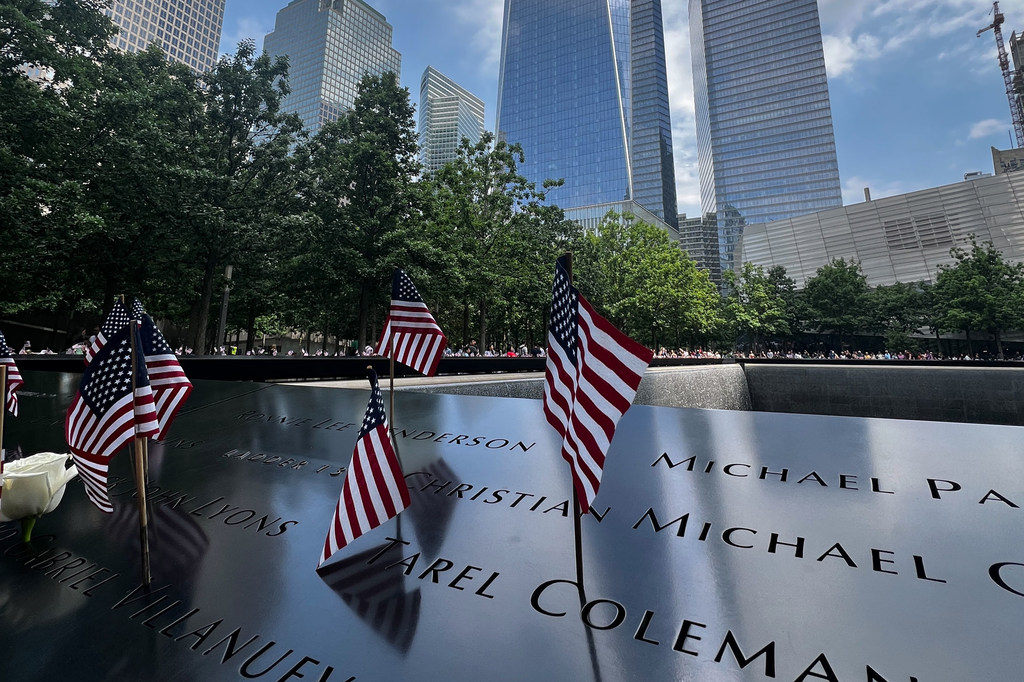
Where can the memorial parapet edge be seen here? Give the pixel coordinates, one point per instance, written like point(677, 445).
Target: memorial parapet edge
point(723, 546)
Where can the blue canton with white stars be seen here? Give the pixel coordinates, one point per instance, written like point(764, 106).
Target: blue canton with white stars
point(108, 378)
point(153, 342)
point(5, 350)
point(564, 327)
point(116, 320)
point(402, 289)
point(374, 416)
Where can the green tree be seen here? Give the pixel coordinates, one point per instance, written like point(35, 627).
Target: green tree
point(981, 291)
point(241, 179)
point(503, 237)
point(360, 187)
point(62, 45)
point(836, 298)
point(756, 304)
point(645, 284)
point(898, 310)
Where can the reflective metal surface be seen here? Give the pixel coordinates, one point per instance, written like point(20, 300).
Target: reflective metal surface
point(791, 547)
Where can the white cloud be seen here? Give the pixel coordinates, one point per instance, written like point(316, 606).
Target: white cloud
point(483, 18)
point(870, 30)
point(990, 126)
point(853, 189)
point(843, 51)
point(244, 28)
point(680, 97)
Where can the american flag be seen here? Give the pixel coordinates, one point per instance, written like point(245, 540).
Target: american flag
point(14, 380)
point(590, 379)
point(116, 321)
point(106, 415)
point(410, 328)
point(374, 490)
point(170, 385)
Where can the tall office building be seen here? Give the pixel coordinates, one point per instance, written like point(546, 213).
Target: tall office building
point(765, 144)
point(582, 88)
point(187, 30)
point(448, 112)
point(331, 45)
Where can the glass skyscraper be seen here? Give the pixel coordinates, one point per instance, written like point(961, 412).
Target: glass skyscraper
point(448, 112)
point(765, 145)
point(582, 88)
point(331, 45)
point(187, 30)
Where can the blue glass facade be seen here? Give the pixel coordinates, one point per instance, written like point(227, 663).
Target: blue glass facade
point(765, 145)
point(331, 45)
point(568, 93)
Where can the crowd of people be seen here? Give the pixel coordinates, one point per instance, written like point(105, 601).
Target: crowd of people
point(868, 355)
point(472, 350)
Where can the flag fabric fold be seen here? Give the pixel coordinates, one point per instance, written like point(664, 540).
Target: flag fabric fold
point(166, 377)
point(410, 331)
point(14, 380)
point(374, 490)
point(106, 413)
point(590, 379)
point(116, 320)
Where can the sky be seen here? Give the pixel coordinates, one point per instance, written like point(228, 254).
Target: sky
point(917, 98)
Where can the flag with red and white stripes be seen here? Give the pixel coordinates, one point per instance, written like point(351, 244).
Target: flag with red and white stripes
point(107, 413)
point(374, 490)
point(410, 331)
point(166, 377)
point(590, 379)
point(14, 380)
point(116, 321)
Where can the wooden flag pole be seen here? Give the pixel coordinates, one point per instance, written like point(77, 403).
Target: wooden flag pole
point(391, 388)
point(391, 430)
point(140, 472)
point(3, 409)
point(576, 513)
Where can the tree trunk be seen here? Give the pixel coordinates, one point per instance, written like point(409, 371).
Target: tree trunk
point(199, 316)
point(999, 344)
point(364, 310)
point(970, 344)
point(483, 324)
point(250, 327)
point(465, 323)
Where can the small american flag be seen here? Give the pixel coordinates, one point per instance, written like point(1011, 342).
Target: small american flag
point(590, 379)
point(374, 490)
point(170, 385)
point(410, 329)
point(105, 413)
point(116, 321)
point(14, 380)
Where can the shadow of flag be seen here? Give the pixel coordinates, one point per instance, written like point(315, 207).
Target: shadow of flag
point(377, 595)
point(431, 512)
point(177, 544)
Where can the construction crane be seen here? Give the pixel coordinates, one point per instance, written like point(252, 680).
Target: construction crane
point(1004, 64)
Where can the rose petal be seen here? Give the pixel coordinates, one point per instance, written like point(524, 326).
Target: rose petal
point(34, 485)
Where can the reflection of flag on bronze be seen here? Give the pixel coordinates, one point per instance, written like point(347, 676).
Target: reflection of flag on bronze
point(374, 489)
point(178, 542)
point(105, 413)
point(432, 510)
point(377, 594)
point(14, 380)
point(170, 385)
point(591, 376)
point(410, 329)
point(116, 321)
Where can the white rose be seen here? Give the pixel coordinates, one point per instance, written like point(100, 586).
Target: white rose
point(34, 485)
